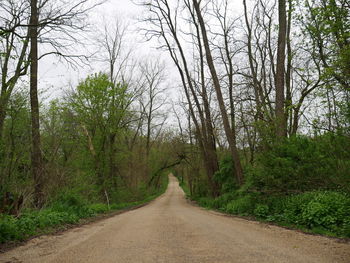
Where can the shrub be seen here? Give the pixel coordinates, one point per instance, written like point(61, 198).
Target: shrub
point(345, 230)
point(294, 206)
point(26, 225)
point(73, 204)
point(8, 228)
point(303, 164)
point(205, 201)
point(327, 209)
point(98, 208)
point(67, 208)
point(67, 200)
point(261, 211)
point(224, 176)
point(64, 211)
point(320, 210)
point(222, 201)
point(241, 206)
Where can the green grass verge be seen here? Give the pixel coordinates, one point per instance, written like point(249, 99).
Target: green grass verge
point(317, 212)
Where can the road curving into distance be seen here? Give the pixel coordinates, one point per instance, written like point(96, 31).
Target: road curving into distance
point(170, 229)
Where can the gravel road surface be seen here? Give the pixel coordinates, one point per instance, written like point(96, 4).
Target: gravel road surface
point(170, 229)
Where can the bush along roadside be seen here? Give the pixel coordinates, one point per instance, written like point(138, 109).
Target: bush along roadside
point(320, 212)
point(300, 182)
point(68, 209)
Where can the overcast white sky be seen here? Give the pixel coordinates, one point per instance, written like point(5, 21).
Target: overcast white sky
point(55, 75)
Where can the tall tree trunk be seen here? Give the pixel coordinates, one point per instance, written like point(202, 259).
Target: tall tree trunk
point(281, 125)
point(148, 134)
point(230, 134)
point(36, 156)
point(2, 120)
point(112, 165)
point(212, 158)
point(289, 99)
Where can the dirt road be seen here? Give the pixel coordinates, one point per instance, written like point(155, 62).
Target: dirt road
point(171, 230)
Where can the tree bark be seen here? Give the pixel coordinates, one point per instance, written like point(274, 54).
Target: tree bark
point(36, 156)
point(212, 158)
point(230, 134)
point(281, 127)
point(289, 98)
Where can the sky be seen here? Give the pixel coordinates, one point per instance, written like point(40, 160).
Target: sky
point(55, 75)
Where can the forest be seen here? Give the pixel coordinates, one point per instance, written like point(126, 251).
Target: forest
point(248, 104)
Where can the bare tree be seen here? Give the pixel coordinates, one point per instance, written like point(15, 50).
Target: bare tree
point(225, 48)
point(118, 54)
point(14, 41)
point(259, 83)
point(164, 22)
point(201, 87)
point(230, 134)
point(153, 72)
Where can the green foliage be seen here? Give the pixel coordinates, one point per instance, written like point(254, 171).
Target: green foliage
point(329, 210)
point(8, 228)
point(205, 201)
point(323, 212)
point(15, 144)
point(221, 201)
point(346, 227)
point(293, 207)
point(98, 208)
point(225, 174)
point(328, 25)
point(68, 208)
point(69, 199)
point(302, 164)
point(241, 206)
point(30, 223)
point(261, 211)
point(300, 181)
point(34, 222)
point(72, 203)
point(185, 188)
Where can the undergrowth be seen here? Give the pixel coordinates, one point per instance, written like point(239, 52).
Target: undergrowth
point(301, 182)
point(322, 212)
point(68, 208)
